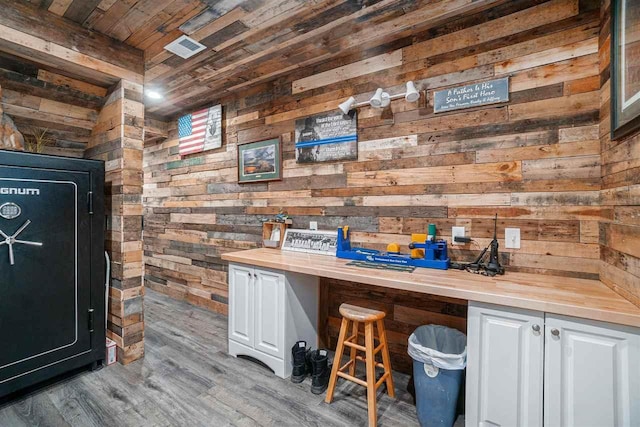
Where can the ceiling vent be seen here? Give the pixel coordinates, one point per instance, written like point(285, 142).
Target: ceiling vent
point(185, 47)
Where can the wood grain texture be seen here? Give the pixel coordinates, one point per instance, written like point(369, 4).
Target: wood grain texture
point(404, 310)
point(33, 33)
point(117, 139)
point(620, 234)
point(188, 378)
point(44, 89)
point(256, 42)
point(535, 160)
point(589, 299)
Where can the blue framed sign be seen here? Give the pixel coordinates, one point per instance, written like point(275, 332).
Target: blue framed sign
point(327, 137)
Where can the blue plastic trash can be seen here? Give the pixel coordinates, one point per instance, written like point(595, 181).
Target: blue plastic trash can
point(439, 357)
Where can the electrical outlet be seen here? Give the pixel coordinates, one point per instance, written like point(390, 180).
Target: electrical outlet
point(457, 232)
point(313, 225)
point(512, 238)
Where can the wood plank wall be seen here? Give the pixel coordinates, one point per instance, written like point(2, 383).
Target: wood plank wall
point(405, 312)
point(117, 139)
point(36, 98)
point(620, 231)
point(535, 161)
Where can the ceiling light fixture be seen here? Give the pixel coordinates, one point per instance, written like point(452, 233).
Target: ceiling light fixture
point(381, 99)
point(153, 94)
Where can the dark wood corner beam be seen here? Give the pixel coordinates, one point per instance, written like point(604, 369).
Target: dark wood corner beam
point(32, 33)
point(33, 86)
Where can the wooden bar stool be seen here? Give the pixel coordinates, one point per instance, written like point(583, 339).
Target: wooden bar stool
point(357, 315)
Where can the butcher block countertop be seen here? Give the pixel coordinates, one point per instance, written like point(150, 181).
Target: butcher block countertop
point(589, 299)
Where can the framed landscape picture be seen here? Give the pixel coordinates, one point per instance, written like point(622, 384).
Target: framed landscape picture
point(260, 161)
point(625, 68)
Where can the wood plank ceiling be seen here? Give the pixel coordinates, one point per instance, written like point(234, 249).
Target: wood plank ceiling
point(251, 41)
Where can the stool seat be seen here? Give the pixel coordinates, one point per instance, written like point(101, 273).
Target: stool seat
point(352, 317)
point(360, 314)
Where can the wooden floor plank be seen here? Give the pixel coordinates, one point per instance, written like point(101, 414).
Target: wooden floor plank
point(187, 378)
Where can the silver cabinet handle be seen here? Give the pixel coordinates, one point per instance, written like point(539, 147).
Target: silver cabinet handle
point(555, 332)
point(536, 328)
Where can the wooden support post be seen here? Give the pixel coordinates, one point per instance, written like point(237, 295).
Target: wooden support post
point(117, 139)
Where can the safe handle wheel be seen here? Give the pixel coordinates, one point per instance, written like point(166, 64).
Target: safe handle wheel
point(11, 240)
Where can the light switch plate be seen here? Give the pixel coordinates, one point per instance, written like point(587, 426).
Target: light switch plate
point(512, 238)
point(456, 232)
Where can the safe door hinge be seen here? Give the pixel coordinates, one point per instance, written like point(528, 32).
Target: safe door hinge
point(90, 202)
point(91, 313)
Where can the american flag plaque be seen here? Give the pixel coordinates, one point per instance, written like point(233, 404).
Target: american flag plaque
point(200, 131)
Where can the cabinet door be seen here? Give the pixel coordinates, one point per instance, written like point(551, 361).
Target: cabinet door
point(269, 313)
point(592, 374)
point(504, 366)
point(241, 304)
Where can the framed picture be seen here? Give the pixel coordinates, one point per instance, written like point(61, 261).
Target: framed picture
point(200, 131)
point(260, 161)
point(327, 137)
point(625, 68)
point(310, 241)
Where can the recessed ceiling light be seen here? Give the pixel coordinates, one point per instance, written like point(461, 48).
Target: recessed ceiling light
point(153, 94)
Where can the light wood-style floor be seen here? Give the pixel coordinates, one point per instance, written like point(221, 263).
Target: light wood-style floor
point(188, 379)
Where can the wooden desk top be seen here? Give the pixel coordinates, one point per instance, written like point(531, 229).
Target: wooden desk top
point(589, 299)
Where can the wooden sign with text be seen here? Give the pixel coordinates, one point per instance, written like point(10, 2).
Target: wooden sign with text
point(474, 95)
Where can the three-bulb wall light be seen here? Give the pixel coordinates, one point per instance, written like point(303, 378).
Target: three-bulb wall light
point(381, 99)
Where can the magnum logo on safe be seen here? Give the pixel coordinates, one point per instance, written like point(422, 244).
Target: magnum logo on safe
point(19, 191)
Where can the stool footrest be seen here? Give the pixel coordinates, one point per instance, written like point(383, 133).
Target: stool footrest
point(382, 379)
point(346, 365)
point(354, 379)
point(361, 347)
point(364, 359)
point(354, 345)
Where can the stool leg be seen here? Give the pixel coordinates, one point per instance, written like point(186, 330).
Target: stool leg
point(386, 360)
point(371, 374)
point(354, 352)
point(337, 360)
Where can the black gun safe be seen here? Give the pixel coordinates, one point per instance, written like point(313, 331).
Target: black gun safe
point(52, 267)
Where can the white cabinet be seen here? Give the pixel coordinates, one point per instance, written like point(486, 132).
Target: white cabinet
point(269, 311)
point(240, 313)
point(592, 374)
point(589, 371)
point(504, 367)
